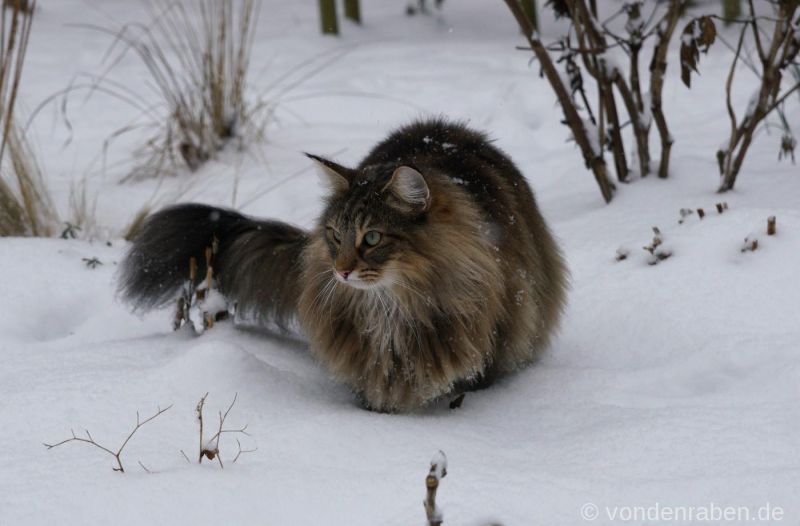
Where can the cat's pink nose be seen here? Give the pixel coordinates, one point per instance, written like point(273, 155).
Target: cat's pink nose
point(345, 273)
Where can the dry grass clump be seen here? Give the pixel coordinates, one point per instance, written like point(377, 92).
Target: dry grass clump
point(25, 205)
point(23, 5)
point(197, 54)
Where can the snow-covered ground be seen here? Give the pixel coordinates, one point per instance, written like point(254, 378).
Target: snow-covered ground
point(674, 385)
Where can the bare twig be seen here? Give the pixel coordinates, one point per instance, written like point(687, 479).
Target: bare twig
point(437, 471)
point(750, 244)
point(775, 55)
point(118, 453)
point(658, 68)
point(199, 410)
point(656, 249)
point(585, 24)
point(210, 448)
point(592, 158)
point(242, 451)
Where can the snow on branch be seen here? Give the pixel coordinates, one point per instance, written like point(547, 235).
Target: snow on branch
point(210, 448)
point(201, 304)
point(775, 56)
point(437, 472)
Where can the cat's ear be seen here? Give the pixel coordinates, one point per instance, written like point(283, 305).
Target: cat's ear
point(409, 186)
point(334, 176)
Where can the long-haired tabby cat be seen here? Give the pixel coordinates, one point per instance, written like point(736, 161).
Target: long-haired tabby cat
point(430, 270)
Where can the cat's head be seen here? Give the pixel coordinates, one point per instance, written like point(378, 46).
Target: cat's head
point(372, 222)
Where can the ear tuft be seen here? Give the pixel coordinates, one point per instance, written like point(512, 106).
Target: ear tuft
point(334, 176)
point(408, 185)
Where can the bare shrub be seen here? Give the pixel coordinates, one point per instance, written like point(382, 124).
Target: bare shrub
point(118, 453)
point(776, 40)
point(26, 6)
point(580, 128)
point(209, 449)
point(197, 55)
point(585, 52)
point(25, 205)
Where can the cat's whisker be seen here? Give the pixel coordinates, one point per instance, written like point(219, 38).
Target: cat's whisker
point(318, 274)
point(410, 288)
point(323, 287)
point(328, 299)
point(403, 308)
point(319, 295)
point(318, 303)
point(379, 295)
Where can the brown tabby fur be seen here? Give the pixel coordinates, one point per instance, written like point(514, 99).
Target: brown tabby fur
point(474, 286)
point(466, 283)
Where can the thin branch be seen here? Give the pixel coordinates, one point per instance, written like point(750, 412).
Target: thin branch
point(724, 160)
point(242, 451)
point(658, 69)
point(116, 454)
point(754, 25)
point(742, 134)
point(437, 471)
point(199, 410)
point(210, 449)
point(593, 160)
point(782, 98)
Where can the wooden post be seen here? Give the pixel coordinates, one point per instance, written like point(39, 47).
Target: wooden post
point(771, 226)
point(352, 10)
point(329, 23)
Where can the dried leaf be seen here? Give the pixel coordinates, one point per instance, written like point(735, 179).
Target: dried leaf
point(788, 144)
point(697, 36)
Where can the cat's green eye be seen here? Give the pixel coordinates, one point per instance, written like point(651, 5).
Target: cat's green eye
point(336, 235)
point(372, 238)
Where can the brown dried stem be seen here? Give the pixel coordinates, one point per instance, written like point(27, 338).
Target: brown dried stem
point(199, 410)
point(589, 38)
point(592, 159)
point(640, 130)
point(242, 451)
point(771, 226)
point(780, 54)
point(118, 453)
point(210, 449)
point(437, 471)
point(658, 68)
point(25, 204)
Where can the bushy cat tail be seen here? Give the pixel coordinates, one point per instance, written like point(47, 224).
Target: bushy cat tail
point(258, 263)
